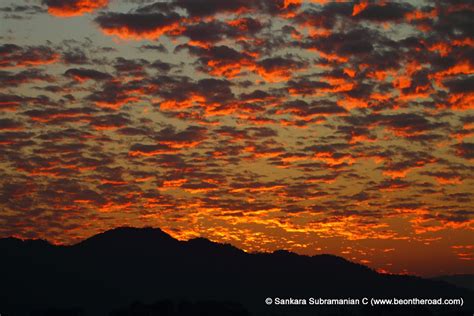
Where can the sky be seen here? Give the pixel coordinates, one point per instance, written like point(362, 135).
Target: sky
point(311, 126)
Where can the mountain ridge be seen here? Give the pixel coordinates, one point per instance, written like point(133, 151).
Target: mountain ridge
point(158, 232)
point(127, 264)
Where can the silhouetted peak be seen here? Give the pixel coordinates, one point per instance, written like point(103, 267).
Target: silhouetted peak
point(322, 258)
point(11, 241)
point(329, 257)
point(137, 232)
point(204, 242)
point(36, 243)
point(200, 241)
point(123, 237)
point(205, 245)
point(285, 253)
point(19, 243)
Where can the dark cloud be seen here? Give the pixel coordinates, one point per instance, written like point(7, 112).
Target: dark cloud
point(460, 85)
point(190, 137)
point(12, 79)
point(67, 8)
point(8, 124)
point(75, 57)
point(385, 12)
point(303, 109)
point(20, 12)
point(82, 74)
point(212, 7)
point(137, 25)
point(28, 56)
point(159, 48)
point(465, 150)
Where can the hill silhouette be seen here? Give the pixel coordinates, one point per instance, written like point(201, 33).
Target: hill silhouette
point(131, 271)
point(460, 280)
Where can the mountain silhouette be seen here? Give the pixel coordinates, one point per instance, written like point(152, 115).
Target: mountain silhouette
point(130, 271)
point(460, 280)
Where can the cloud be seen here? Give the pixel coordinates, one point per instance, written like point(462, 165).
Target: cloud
point(137, 150)
point(384, 12)
point(114, 95)
point(69, 8)
point(11, 125)
point(278, 69)
point(28, 56)
point(135, 26)
point(190, 137)
point(19, 12)
point(212, 7)
point(221, 60)
point(465, 150)
point(12, 79)
point(82, 74)
point(58, 116)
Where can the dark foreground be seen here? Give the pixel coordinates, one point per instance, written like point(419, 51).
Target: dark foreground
point(130, 271)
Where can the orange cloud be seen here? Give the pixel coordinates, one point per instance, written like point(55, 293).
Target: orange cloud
point(329, 56)
point(442, 48)
point(463, 67)
point(47, 117)
point(274, 75)
point(15, 56)
point(287, 3)
point(359, 7)
point(394, 174)
point(421, 15)
point(462, 101)
point(172, 184)
point(114, 207)
point(116, 104)
point(444, 180)
point(350, 103)
point(333, 159)
point(139, 26)
point(75, 7)
point(350, 72)
point(150, 150)
point(227, 68)
point(192, 100)
point(464, 252)
point(128, 33)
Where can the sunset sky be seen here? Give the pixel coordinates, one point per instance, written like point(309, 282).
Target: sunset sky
point(312, 126)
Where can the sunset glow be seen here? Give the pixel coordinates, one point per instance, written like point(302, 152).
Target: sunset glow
point(312, 126)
